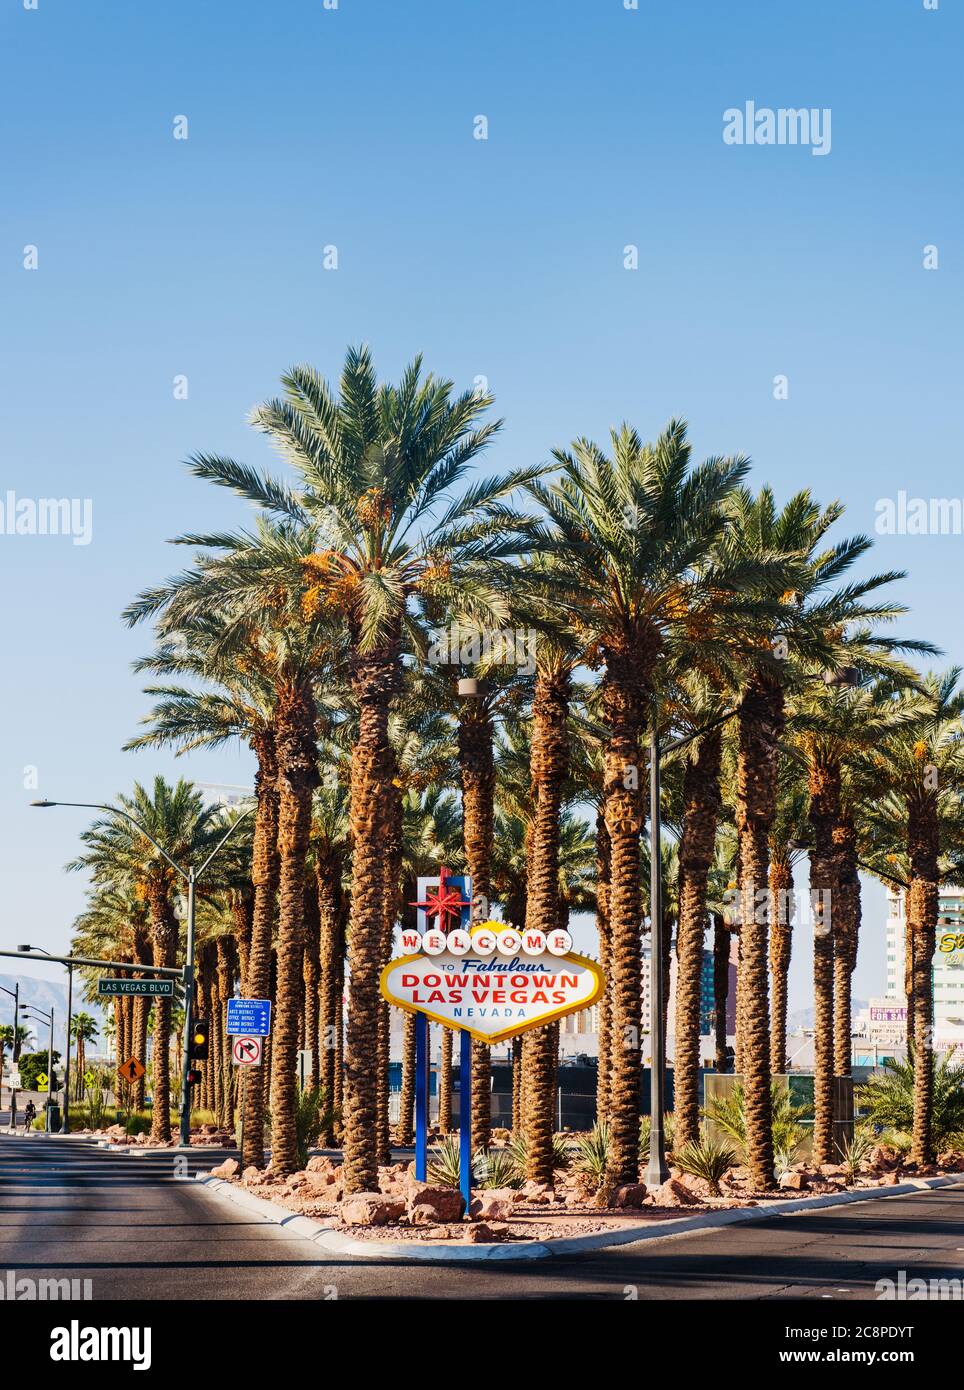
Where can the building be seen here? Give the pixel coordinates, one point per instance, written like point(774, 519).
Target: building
point(223, 794)
point(947, 971)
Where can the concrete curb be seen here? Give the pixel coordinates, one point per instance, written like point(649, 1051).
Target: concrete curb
point(338, 1243)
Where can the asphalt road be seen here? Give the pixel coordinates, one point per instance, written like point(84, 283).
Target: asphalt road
point(130, 1225)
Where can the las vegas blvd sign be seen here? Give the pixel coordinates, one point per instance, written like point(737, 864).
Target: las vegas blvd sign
point(492, 981)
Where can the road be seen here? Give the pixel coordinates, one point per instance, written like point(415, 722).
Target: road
point(68, 1209)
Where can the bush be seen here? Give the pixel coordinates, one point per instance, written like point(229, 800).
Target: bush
point(729, 1114)
point(32, 1065)
point(888, 1098)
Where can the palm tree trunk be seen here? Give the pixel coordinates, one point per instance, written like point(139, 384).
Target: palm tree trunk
point(623, 693)
point(226, 958)
point(164, 940)
point(922, 843)
point(445, 1083)
point(392, 868)
point(140, 1015)
point(477, 766)
point(297, 777)
point(549, 765)
point(256, 982)
point(311, 965)
point(328, 873)
point(824, 813)
point(760, 723)
point(604, 1006)
point(517, 1075)
point(701, 808)
point(405, 1134)
point(374, 678)
point(721, 988)
point(781, 941)
point(846, 935)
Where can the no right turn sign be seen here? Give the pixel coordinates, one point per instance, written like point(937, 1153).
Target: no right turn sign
point(246, 1051)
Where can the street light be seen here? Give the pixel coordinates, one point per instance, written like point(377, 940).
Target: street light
point(65, 1120)
point(190, 875)
point(47, 1018)
point(15, 996)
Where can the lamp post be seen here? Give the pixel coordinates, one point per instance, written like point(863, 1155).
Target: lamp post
point(65, 1120)
point(15, 996)
point(190, 875)
point(47, 1018)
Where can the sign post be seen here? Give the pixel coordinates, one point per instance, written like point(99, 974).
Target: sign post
point(465, 1116)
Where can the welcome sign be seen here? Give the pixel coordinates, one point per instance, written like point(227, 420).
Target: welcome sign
point(492, 994)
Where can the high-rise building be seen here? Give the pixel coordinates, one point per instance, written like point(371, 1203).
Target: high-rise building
point(947, 971)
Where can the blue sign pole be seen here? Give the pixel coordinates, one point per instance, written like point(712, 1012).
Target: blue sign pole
point(421, 1097)
point(465, 1117)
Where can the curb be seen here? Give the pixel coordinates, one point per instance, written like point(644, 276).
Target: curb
point(337, 1243)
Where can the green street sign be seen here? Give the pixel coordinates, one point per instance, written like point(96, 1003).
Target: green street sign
point(163, 989)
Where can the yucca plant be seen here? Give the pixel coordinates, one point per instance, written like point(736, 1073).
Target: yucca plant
point(785, 1156)
point(313, 1114)
point(855, 1151)
point(444, 1162)
point(706, 1158)
point(592, 1153)
point(497, 1168)
point(561, 1152)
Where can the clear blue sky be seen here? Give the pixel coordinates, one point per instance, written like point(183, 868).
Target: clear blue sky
point(354, 127)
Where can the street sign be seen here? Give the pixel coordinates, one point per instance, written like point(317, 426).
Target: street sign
point(163, 989)
point(499, 987)
point(13, 1079)
point(246, 1052)
point(132, 1070)
point(249, 1016)
point(41, 1081)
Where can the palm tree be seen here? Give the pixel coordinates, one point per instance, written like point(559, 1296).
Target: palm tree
point(241, 705)
point(83, 1028)
point(632, 535)
point(184, 827)
point(831, 726)
point(810, 618)
point(922, 765)
point(366, 537)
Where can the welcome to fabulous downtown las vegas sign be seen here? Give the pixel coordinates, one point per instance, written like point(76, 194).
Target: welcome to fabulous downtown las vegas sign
point(492, 980)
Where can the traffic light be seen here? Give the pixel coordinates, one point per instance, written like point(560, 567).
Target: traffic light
point(200, 1031)
point(194, 1076)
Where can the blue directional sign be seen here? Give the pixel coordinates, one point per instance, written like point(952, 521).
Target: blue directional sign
point(249, 1016)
